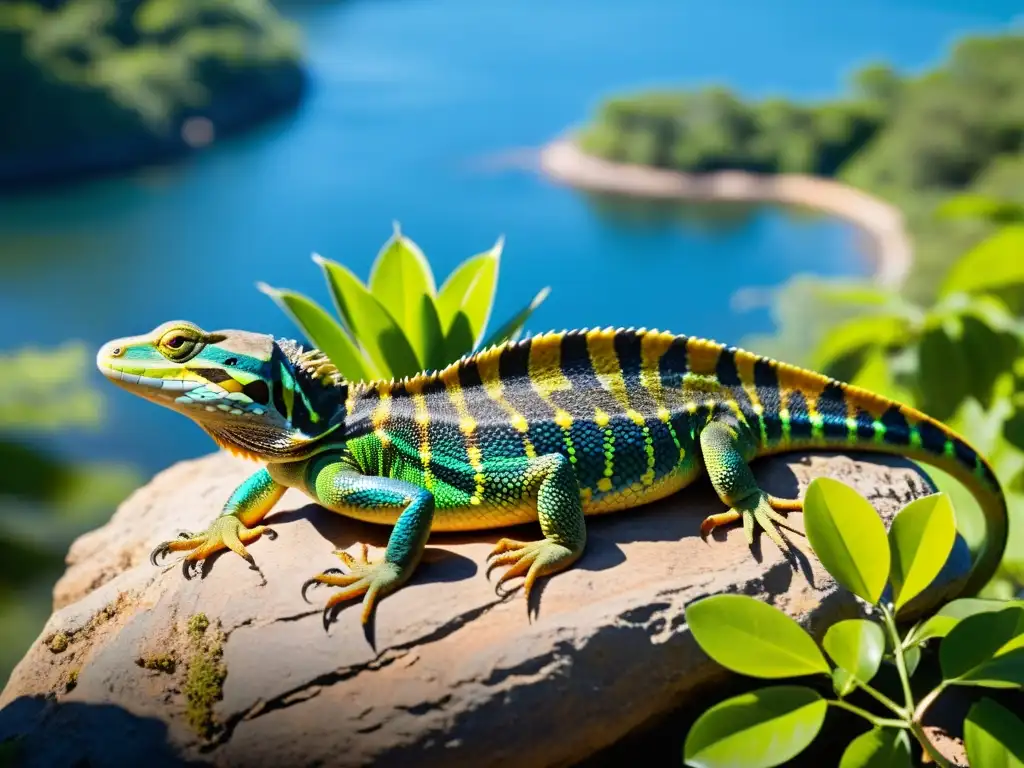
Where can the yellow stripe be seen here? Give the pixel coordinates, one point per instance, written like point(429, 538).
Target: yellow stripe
point(653, 347)
point(487, 366)
point(467, 425)
point(422, 419)
point(647, 478)
point(602, 419)
point(382, 413)
point(745, 370)
point(601, 346)
point(287, 391)
point(547, 377)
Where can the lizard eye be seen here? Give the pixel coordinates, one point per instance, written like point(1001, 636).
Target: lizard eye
point(179, 345)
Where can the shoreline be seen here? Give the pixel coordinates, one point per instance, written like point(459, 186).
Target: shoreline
point(232, 114)
point(563, 161)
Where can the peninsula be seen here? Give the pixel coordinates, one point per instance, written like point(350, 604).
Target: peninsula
point(886, 155)
point(564, 161)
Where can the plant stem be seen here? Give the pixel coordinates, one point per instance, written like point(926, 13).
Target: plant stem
point(897, 652)
point(928, 747)
point(884, 700)
point(918, 729)
point(881, 722)
point(928, 700)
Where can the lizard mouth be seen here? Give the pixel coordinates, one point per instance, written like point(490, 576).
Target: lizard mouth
point(147, 382)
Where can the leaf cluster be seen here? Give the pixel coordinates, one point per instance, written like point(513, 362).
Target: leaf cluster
point(400, 323)
point(981, 644)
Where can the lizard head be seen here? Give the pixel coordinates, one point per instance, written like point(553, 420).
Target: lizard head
point(255, 395)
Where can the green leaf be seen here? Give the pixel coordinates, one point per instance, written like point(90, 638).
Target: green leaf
point(1004, 670)
point(469, 293)
point(878, 748)
point(435, 352)
point(920, 539)
point(857, 646)
point(975, 206)
point(943, 378)
point(993, 736)
point(322, 331)
point(514, 327)
point(848, 537)
point(369, 323)
point(842, 682)
point(911, 658)
point(857, 334)
point(459, 341)
point(760, 729)
point(948, 616)
point(401, 280)
point(991, 265)
point(972, 643)
point(876, 375)
point(753, 638)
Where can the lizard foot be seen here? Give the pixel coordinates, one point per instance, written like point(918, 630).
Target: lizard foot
point(372, 579)
point(761, 509)
point(533, 558)
point(226, 532)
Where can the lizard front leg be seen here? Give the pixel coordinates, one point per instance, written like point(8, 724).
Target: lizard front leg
point(738, 489)
point(246, 507)
point(561, 520)
point(339, 487)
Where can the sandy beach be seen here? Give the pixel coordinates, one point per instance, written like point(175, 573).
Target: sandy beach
point(563, 161)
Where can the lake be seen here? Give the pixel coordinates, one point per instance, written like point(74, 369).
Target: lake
point(420, 111)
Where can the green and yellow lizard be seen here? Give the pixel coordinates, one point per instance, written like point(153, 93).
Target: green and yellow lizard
point(549, 429)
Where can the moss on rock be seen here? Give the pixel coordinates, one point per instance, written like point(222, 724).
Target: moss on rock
point(204, 681)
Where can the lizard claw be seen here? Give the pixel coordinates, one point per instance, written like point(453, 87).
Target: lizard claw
point(533, 559)
point(372, 579)
point(226, 532)
point(315, 581)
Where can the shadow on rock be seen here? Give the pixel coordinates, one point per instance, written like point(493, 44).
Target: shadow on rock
point(37, 732)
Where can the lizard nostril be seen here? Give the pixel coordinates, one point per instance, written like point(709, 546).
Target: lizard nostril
point(116, 351)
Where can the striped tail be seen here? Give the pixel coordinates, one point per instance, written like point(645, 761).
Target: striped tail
point(810, 410)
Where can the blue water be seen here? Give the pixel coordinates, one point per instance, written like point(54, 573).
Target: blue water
point(414, 106)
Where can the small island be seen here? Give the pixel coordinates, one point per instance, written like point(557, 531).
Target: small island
point(104, 85)
point(884, 156)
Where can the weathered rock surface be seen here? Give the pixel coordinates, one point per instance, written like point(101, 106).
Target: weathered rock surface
point(125, 674)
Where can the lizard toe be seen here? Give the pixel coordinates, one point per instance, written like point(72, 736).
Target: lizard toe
point(371, 580)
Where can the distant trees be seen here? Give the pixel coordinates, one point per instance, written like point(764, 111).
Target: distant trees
point(79, 73)
point(911, 140)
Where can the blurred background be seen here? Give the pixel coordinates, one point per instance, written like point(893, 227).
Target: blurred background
point(159, 158)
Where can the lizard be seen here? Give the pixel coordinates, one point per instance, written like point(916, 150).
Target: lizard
point(549, 429)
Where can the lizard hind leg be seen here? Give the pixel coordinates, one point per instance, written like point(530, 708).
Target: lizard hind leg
point(737, 488)
point(560, 514)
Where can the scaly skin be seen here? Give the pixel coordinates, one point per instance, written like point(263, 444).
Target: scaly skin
point(551, 428)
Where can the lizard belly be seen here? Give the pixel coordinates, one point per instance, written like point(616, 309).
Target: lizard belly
point(638, 494)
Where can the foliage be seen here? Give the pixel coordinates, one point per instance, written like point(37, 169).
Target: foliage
point(400, 323)
point(959, 359)
point(97, 71)
point(980, 645)
point(911, 140)
point(45, 501)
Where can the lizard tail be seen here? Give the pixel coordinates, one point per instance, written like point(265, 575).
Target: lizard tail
point(817, 411)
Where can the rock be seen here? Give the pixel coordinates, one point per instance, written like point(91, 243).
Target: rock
point(139, 665)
